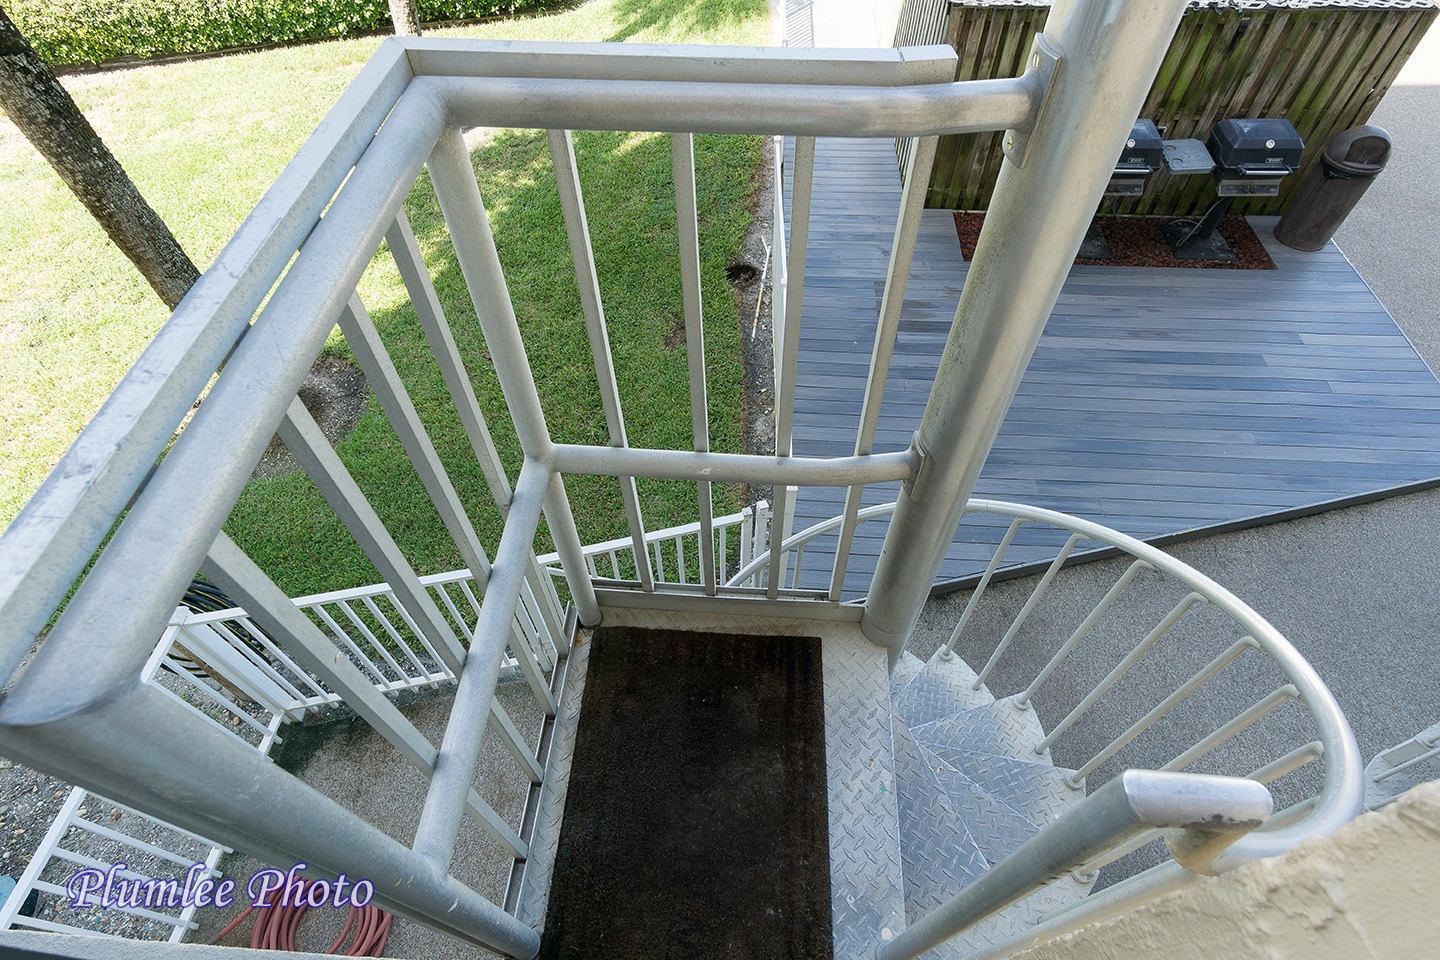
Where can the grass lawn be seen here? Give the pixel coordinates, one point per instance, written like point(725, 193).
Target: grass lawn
point(204, 139)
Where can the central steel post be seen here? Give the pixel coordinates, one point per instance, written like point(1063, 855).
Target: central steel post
point(1106, 54)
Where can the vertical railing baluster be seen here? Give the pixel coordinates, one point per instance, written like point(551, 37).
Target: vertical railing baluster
point(779, 261)
point(416, 276)
point(682, 153)
point(572, 206)
point(1030, 603)
point(902, 254)
point(948, 650)
point(787, 347)
point(389, 389)
point(305, 441)
point(474, 245)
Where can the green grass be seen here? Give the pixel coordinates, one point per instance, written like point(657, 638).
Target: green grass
point(204, 139)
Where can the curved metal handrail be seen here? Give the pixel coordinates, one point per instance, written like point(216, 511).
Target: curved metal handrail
point(1342, 795)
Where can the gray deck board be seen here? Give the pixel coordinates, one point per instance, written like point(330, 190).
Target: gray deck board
point(1159, 401)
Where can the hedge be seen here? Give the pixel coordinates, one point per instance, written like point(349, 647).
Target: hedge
point(76, 32)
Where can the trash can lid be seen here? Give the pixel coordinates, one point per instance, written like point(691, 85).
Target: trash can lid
point(1362, 150)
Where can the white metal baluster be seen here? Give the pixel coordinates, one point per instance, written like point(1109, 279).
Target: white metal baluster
point(902, 254)
point(682, 574)
point(343, 638)
point(416, 276)
point(401, 675)
point(514, 742)
point(763, 521)
point(435, 656)
point(723, 561)
point(682, 153)
point(572, 207)
point(449, 603)
point(787, 344)
point(384, 380)
point(779, 267)
point(260, 637)
point(1260, 709)
point(1029, 606)
point(1206, 673)
point(393, 633)
point(1289, 763)
point(948, 651)
point(747, 550)
point(247, 651)
point(1121, 668)
point(1081, 631)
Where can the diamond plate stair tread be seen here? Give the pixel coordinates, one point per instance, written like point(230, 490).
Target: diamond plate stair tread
point(1037, 791)
point(997, 728)
point(998, 830)
point(942, 688)
point(938, 855)
point(906, 670)
point(534, 896)
point(866, 881)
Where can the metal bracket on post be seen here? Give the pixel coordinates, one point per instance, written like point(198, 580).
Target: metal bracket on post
point(920, 457)
point(1043, 62)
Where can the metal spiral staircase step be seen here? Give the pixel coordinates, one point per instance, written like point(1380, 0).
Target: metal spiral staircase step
point(998, 728)
point(1037, 791)
point(971, 790)
point(998, 830)
point(937, 853)
point(940, 688)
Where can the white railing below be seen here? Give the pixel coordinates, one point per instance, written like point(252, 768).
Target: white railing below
point(674, 552)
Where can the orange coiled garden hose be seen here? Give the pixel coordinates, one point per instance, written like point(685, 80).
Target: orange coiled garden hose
point(276, 924)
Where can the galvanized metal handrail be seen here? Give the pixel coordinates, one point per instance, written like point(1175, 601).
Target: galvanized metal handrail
point(1205, 814)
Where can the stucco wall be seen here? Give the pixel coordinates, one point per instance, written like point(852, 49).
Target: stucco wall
point(1370, 891)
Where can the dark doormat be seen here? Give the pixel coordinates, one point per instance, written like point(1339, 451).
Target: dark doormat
point(695, 822)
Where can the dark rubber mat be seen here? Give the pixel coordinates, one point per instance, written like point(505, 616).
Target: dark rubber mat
point(695, 822)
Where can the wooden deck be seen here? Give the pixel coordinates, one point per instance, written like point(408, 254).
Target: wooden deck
point(1160, 402)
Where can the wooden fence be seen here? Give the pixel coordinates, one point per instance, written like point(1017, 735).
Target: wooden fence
point(1323, 67)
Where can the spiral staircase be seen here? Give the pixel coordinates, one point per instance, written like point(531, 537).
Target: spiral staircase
point(970, 791)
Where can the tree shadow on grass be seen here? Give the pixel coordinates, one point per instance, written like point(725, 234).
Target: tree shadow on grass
point(694, 18)
point(630, 200)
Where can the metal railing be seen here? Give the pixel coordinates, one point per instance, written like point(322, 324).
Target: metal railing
point(258, 318)
point(1201, 646)
point(673, 552)
point(265, 308)
point(1203, 814)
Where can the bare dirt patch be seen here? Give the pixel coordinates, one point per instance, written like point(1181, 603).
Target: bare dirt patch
point(335, 393)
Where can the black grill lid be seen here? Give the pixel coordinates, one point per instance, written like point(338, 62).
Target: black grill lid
point(1144, 151)
point(1262, 146)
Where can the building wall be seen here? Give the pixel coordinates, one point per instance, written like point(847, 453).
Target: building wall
point(1370, 892)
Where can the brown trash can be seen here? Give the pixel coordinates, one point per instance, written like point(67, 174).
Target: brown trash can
point(1329, 190)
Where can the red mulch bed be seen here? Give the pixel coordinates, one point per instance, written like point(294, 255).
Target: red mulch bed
point(1140, 242)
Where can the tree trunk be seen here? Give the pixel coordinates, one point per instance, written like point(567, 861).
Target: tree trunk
point(407, 20)
point(47, 115)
